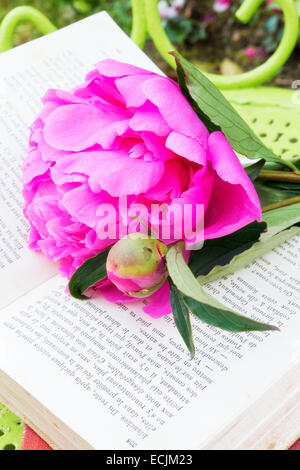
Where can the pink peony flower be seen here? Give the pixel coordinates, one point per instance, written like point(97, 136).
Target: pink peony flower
point(220, 6)
point(170, 10)
point(125, 132)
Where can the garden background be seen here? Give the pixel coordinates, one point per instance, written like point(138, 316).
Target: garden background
point(205, 31)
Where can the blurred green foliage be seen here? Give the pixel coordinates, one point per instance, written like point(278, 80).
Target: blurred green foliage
point(64, 12)
point(195, 22)
point(202, 32)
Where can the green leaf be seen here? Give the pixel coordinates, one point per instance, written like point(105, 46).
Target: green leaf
point(184, 279)
point(143, 293)
point(208, 307)
point(243, 259)
point(280, 219)
point(90, 272)
point(269, 192)
point(224, 319)
point(254, 169)
point(285, 186)
point(220, 251)
point(182, 318)
point(211, 105)
point(204, 118)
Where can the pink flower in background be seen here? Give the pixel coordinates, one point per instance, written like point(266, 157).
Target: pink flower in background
point(170, 9)
point(221, 5)
point(253, 52)
point(208, 17)
point(274, 6)
point(125, 132)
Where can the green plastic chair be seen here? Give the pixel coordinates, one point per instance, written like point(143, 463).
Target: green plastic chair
point(273, 113)
point(11, 430)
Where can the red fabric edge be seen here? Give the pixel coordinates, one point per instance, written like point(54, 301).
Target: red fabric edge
point(31, 441)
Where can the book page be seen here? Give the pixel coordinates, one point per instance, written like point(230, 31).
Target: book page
point(122, 380)
point(59, 60)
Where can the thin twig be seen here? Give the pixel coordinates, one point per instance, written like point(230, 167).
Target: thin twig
point(284, 176)
point(286, 202)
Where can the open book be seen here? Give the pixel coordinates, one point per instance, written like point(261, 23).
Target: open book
point(90, 374)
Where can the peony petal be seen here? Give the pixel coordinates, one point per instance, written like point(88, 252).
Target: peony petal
point(66, 266)
point(130, 88)
point(173, 182)
point(112, 294)
point(82, 204)
point(64, 231)
point(157, 146)
point(198, 194)
point(34, 238)
point(99, 87)
point(73, 127)
point(175, 108)
point(40, 211)
point(147, 118)
point(53, 99)
point(33, 166)
point(234, 202)
point(48, 109)
point(80, 126)
point(120, 175)
point(48, 153)
point(186, 147)
point(71, 169)
point(110, 132)
point(114, 68)
point(61, 97)
point(229, 168)
point(95, 244)
point(159, 302)
point(182, 215)
point(114, 172)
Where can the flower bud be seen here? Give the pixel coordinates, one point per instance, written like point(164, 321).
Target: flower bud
point(136, 265)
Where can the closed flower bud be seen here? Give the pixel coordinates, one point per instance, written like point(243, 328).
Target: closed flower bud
point(136, 265)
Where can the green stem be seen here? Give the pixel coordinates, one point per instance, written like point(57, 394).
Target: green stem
point(139, 26)
point(157, 32)
point(286, 202)
point(283, 176)
point(17, 16)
